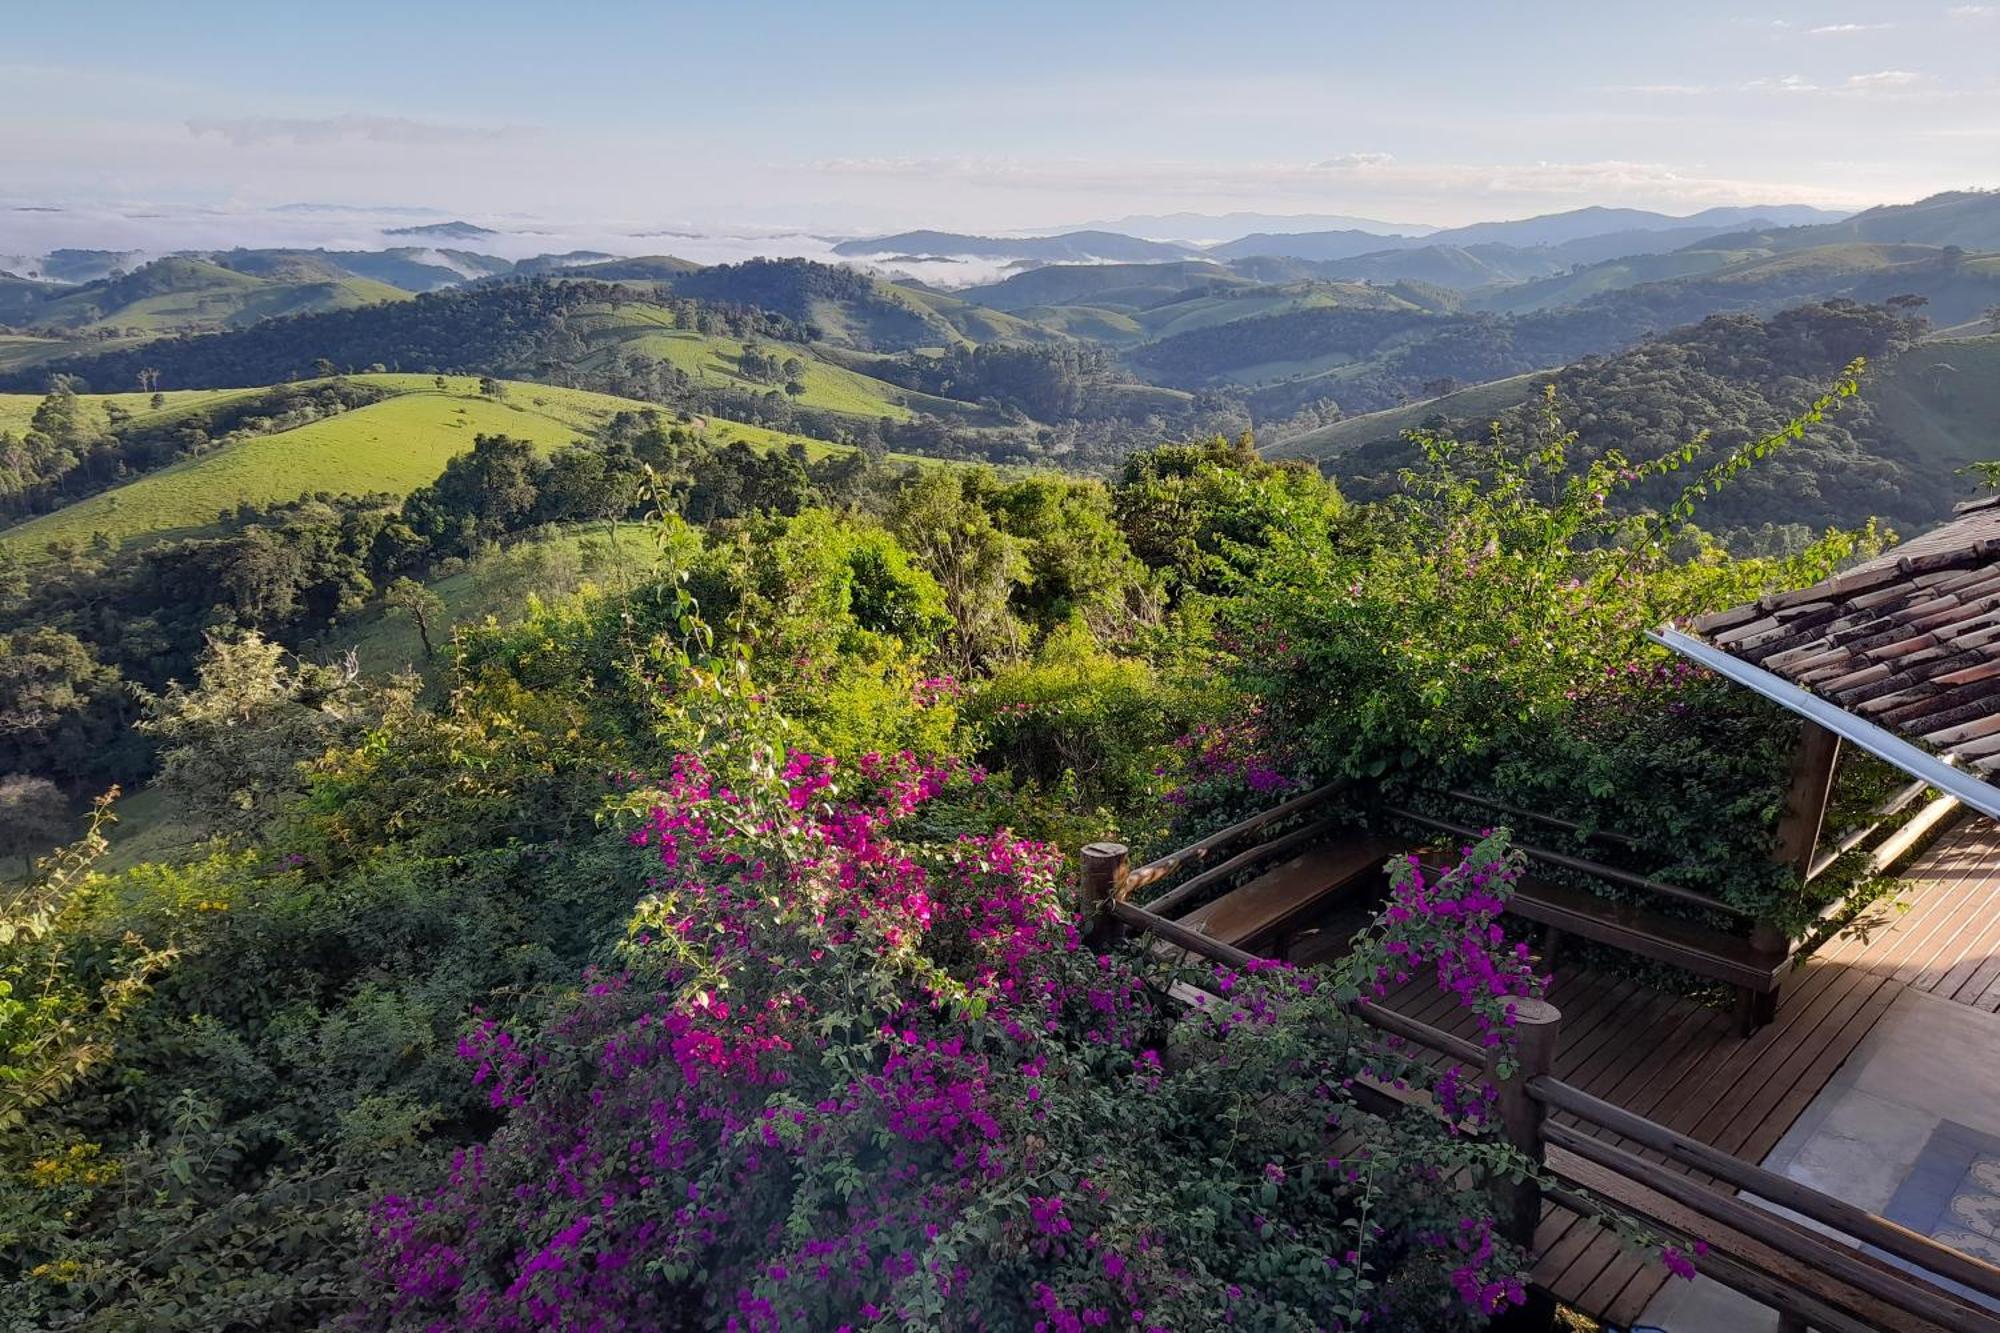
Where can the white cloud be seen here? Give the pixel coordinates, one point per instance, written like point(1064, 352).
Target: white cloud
point(1972, 11)
point(1355, 161)
point(1842, 29)
point(250, 131)
point(1882, 81)
point(1879, 82)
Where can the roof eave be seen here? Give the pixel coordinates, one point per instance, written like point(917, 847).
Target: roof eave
point(1884, 744)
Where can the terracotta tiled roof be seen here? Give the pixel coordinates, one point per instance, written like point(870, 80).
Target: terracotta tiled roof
point(1909, 641)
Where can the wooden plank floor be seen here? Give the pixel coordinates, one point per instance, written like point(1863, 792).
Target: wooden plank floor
point(1682, 1063)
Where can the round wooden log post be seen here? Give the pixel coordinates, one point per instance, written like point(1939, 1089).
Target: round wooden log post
point(1104, 865)
point(1537, 1024)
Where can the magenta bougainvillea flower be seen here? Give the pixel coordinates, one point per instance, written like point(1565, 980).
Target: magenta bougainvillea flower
point(853, 1074)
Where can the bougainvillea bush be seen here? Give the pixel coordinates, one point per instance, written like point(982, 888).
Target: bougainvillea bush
point(1485, 628)
point(844, 1079)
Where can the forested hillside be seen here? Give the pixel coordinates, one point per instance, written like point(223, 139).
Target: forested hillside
point(1716, 385)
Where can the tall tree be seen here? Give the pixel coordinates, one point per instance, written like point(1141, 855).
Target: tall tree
point(424, 608)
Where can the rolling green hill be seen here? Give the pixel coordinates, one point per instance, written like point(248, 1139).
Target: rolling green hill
point(1689, 285)
point(1125, 287)
point(1087, 321)
point(977, 323)
point(17, 410)
point(1190, 312)
point(1612, 275)
point(847, 307)
point(1969, 219)
point(390, 446)
point(1927, 409)
point(185, 294)
point(834, 379)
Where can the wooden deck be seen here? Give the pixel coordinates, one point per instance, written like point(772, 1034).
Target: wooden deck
point(1682, 1064)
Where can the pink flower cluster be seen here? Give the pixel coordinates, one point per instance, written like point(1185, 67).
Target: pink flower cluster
point(1474, 960)
point(1228, 755)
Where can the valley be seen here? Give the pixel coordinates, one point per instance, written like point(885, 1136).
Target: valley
point(1091, 343)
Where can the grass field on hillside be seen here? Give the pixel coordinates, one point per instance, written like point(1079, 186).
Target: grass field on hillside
point(716, 362)
point(1208, 311)
point(184, 293)
point(713, 361)
point(18, 351)
point(17, 410)
point(235, 310)
point(391, 446)
point(832, 384)
point(1942, 400)
point(497, 585)
point(1480, 402)
point(1084, 321)
point(394, 445)
point(1616, 275)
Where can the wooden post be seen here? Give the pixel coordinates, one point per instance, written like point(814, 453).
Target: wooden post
point(1537, 1023)
point(1813, 765)
point(1805, 799)
point(1104, 865)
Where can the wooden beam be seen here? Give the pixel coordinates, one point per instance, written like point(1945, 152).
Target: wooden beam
point(1805, 799)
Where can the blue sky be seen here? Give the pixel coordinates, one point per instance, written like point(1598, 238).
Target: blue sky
point(1013, 115)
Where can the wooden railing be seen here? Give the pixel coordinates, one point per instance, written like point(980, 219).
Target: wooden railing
point(1813, 1280)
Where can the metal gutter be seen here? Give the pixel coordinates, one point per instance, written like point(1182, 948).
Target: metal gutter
point(1883, 744)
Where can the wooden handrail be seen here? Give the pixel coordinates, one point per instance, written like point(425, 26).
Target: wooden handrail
point(1173, 932)
point(1156, 870)
point(1823, 1208)
point(1263, 851)
point(1410, 1029)
point(1610, 874)
point(1764, 1288)
point(1922, 1299)
point(1567, 825)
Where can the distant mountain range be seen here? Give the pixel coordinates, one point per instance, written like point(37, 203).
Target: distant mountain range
point(1350, 318)
point(1631, 225)
point(1215, 227)
point(1068, 248)
point(1580, 236)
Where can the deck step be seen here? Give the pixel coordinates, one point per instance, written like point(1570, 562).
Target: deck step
point(1290, 890)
